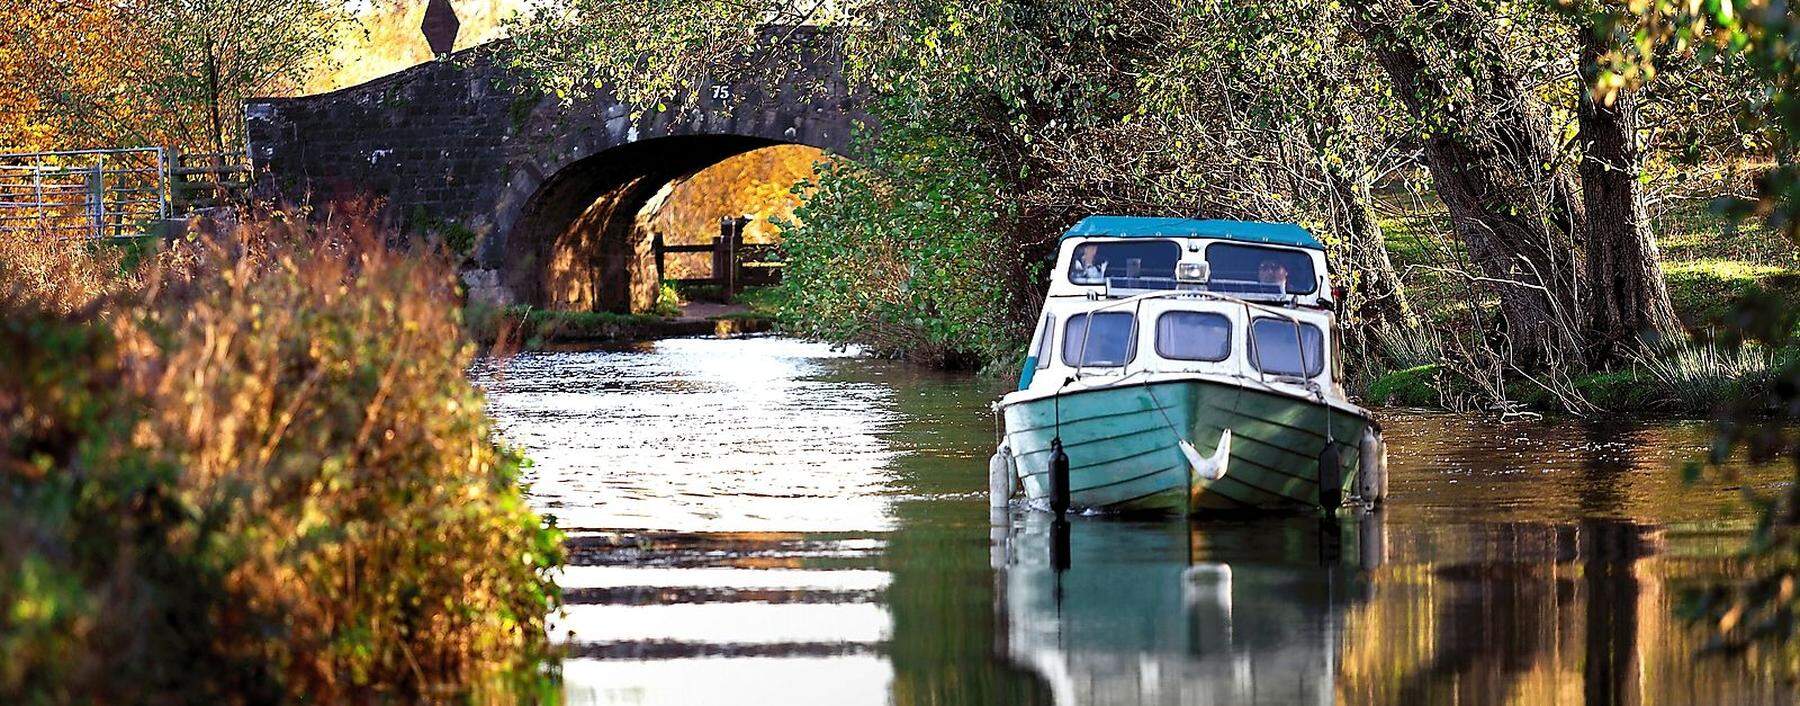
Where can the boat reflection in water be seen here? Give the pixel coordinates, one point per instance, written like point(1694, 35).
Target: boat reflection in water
point(1366, 610)
point(1170, 612)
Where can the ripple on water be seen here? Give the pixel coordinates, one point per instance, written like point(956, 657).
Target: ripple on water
point(742, 435)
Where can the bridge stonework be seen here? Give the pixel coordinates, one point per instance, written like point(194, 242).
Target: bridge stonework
point(551, 190)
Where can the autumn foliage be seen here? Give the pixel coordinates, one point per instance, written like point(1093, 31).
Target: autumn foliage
point(264, 473)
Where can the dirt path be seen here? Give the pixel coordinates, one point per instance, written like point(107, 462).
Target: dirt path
point(706, 311)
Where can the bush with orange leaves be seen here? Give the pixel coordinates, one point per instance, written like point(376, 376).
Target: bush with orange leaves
point(264, 474)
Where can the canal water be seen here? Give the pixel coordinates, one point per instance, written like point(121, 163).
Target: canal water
point(770, 521)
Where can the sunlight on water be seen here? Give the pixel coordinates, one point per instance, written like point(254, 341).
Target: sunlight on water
point(625, 576)
point(730, 623)
point(791, 681)
point(699, 435)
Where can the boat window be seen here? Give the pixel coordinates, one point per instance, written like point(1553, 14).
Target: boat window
point(1137, 264)
point(1044, 336)
point(1193, 335)
point(1276, 350)
point(1256, 269)
point(1111, 342)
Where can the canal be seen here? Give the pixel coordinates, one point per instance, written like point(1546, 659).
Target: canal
point(766, 520)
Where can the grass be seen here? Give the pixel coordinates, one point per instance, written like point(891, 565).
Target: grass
point(1686, 379)
point(1707, 291)
point(699, 292)
point(1710, 263)
point(764, 302)
point(1706, 376)
point(584, 325)
point(1627, 389)
point(531, 328)
point(1689, 379)
point(61, 275)
point(1413, 387)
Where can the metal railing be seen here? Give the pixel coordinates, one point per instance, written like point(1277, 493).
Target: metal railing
point(112, 193)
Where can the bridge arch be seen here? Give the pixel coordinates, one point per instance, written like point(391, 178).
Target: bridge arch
point(580, 240)
point(550, 189)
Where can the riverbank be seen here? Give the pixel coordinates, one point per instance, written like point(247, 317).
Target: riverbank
point(1716, 268)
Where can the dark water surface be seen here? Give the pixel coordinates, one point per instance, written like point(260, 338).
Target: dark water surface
point(766, 521)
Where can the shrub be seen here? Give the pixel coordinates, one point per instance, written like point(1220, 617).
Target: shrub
point(339, 525)
point(668, 301)
point(906, 252)
point(109, 589)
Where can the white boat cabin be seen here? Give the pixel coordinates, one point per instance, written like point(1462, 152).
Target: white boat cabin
point(1130, 296)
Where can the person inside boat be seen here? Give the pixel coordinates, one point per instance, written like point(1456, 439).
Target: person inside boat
point(1088, 268)
point(1271, 271)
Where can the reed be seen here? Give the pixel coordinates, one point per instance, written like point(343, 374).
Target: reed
point(58, 273)
point(1705, 376)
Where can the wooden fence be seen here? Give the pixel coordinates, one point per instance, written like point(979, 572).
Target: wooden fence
point(206, 180)
point(735, 263)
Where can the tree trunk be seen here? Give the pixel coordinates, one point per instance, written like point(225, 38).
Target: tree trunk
point(1489, 171)
point(1375, 293)
point(212, 97)
point(1627, 297)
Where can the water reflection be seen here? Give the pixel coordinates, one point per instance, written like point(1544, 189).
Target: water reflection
point(1290, 611)
point(1173, 613)
point(768, 521)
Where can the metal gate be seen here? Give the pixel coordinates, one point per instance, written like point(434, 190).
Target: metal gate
point(112, 193)
point(83, 194)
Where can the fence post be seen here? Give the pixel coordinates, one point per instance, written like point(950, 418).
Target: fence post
point(37, 190)
point(178, 191)
point(721, 257)
point(732, 242)
point(96, 199)
point(162, 183)
point(656, 246)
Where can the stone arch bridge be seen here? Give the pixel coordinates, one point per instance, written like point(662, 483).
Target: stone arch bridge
point(551, 190)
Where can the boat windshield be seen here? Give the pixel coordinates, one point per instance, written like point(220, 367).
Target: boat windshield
point(1110, 343)
point(1141, 264)
point(1193, 335)
point(1260, 270)
point(1276, 349)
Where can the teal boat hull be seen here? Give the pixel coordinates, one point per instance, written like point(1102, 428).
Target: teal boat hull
point(1122, 443)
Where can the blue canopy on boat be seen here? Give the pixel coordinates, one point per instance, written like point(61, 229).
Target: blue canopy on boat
point(1144, 227)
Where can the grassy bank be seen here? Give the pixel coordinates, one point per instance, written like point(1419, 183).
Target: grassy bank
point(532, 328)
point(251, 470)
point(1715, 270)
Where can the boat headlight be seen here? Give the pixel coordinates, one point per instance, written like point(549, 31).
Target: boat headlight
point(1192, 272)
